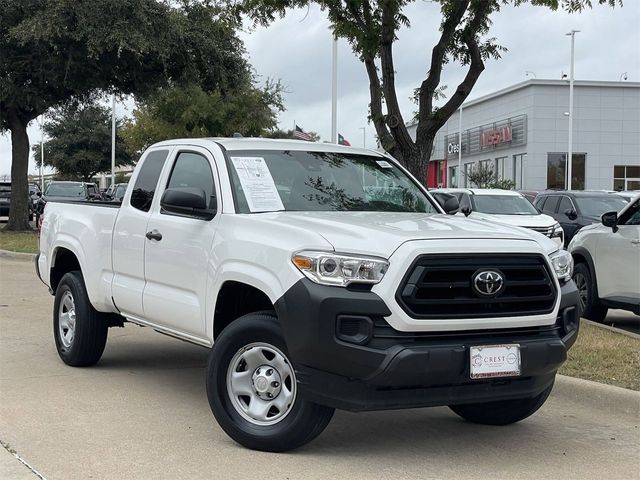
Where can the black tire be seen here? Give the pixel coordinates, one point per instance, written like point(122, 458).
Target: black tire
point(501, 413)
point(304, 420)
point(588, 291)
point(90, 330)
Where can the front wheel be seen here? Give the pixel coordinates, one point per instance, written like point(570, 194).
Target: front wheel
point(504, 412)
point(591, 307)
point(252, 389)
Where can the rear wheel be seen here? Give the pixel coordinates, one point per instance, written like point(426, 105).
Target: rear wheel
point(502, 413)
point(252, 389)
point(78, 329)
point(591, 307)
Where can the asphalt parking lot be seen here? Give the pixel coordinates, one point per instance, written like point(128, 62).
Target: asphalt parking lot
point(142, 413)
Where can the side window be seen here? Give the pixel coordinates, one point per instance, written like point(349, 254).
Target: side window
point(632, 215)
point(145, 186)
point(565, 204)
point(551, 204)
point(193, 170)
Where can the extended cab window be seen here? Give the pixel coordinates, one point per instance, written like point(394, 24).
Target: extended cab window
point(145, 186)
point(322, 181)
point(193, 170)
point(551, 204)
point(632, 215)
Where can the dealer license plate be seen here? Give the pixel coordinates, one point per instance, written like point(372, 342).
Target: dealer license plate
point(491, 361)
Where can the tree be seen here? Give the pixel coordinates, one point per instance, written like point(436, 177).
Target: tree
point(57, 50)
point(481, 176)
point(371, 26)
point(289, 134)
point(79, 144)
point(185, 112)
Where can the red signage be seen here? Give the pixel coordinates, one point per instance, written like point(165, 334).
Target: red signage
point(494, 137)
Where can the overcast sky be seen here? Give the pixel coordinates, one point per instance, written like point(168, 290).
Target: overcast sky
point(297, 50)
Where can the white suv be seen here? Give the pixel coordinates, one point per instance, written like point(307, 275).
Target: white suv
point(503, 206)
point(607, 262)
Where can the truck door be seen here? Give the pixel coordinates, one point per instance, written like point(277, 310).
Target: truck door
point(178, 259)
point(129, 239)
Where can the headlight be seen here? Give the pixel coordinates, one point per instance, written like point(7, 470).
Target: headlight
point(562, 262)
point(341, 270)
point(557, 231)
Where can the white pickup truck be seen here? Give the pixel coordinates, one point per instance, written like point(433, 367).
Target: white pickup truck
point(320, 277)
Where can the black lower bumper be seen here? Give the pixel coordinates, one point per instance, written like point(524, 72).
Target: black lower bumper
point(347, 356)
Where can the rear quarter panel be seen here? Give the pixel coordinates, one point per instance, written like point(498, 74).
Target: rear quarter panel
point(86, 230)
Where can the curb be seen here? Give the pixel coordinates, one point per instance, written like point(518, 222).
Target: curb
point(593, 394)
point(611, 329)
point(25, 257)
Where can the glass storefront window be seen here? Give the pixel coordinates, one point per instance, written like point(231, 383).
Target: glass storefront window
point(518, 169)
point(556, 173)
point(499, 168)
point(453, 176)
point(626, 177)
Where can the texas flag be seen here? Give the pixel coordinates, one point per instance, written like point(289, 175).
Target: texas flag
point(343, 141)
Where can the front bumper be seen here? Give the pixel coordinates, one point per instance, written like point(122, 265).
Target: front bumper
point(347, 356)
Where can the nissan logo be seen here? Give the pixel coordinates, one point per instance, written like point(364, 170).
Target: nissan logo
point(488, 283)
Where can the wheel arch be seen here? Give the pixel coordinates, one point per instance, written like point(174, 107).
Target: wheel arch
point(235, 299)
point(582, 255)
point(63, 260)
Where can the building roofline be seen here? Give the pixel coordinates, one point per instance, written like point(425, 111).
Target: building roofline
point(545, 82)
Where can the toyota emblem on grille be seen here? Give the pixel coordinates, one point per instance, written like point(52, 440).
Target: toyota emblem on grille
point(488, 283)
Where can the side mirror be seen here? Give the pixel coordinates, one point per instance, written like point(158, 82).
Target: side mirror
point(610, 219)
point(466, 211)
point(571, 214)
point(39, 194)
point(187, 201)
point(448, 202)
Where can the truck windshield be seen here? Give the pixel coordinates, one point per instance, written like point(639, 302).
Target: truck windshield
point(504, 205)
point(596, 206)
point(64, 190)
point(321, 181)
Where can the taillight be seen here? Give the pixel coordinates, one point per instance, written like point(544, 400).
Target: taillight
point(39, 221)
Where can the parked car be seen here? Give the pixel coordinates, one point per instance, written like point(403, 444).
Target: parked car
point(504, 206)
point(529, 194)
point(628, 194)
point(576, 209)
point(5, 200)
point(350, 288)
point(116, 192)
point(607, 262)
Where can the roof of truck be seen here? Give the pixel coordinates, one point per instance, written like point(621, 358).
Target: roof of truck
point(268, 144)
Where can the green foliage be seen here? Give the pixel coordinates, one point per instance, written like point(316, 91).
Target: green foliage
point(190, 112)
point(79, 144)
point(289, 134)
point(480, 175)
point(504, 184)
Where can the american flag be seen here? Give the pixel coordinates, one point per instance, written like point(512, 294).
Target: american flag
point(302, 135)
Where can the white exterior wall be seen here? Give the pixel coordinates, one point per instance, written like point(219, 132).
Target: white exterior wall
point(606, 127)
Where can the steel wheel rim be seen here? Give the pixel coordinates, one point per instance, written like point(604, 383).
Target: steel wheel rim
point(261, 384)
point(67, 320)
point(583, 289)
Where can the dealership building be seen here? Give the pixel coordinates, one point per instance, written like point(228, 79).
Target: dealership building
point(521, 132)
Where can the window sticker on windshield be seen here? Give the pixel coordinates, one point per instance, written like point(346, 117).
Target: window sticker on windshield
point(257, 183)
point(384, 164)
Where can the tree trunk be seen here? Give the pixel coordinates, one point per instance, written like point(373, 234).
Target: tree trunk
point(19, 210)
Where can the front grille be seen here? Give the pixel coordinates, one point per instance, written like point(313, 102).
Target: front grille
point(546, 231)
point(439, 287)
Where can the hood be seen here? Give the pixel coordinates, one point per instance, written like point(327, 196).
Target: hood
point(381, 233)
point(527, 221)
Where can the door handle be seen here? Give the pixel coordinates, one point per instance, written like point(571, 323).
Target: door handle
point(154, 235)
point(635, 242)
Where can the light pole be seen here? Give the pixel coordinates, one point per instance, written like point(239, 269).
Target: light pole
point(364, 137)
point(459, 148)
point(334, 91)
point(572, 34)
point(41, 152)
point(113, 139)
